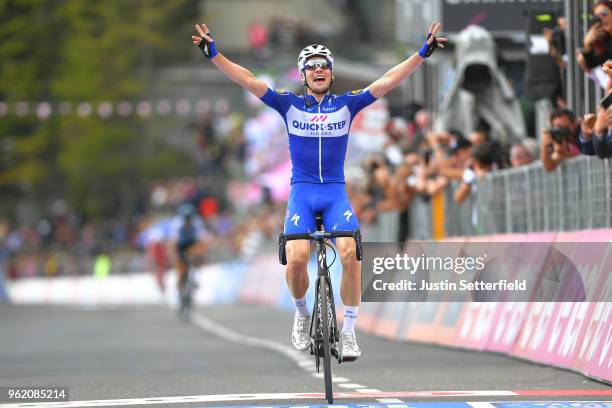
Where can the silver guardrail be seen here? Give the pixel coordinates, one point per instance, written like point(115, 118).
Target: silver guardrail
point(577, 195)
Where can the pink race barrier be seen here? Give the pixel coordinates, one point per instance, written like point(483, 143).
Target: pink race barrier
point(571, 335)
point(509, 320)
point(594, 356)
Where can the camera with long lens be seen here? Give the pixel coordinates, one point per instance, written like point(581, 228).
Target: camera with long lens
point(560, 134)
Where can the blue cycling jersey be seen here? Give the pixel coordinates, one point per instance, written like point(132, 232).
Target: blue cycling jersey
point(318, 132)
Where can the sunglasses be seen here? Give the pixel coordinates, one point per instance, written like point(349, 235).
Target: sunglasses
point(313, 64)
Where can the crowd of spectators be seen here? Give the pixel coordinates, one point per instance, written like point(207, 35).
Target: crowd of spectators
point(412, 165)
point(420, 161)
point(284, 32)
point(415, 161)
point(219, 144)
point(64, 245)
point(569, 136)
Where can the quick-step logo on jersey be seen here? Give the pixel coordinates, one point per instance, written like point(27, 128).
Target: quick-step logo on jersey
point(332, 124)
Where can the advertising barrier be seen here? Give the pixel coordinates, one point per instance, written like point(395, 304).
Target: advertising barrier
point(572, 335)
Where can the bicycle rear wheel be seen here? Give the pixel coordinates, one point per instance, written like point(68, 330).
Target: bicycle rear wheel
point(186, 298)
point(185, 303)
point(327, 374)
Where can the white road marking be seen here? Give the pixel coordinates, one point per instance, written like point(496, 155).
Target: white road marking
point(317, 375)
point(351, 385)
point(334, 379)
point(369, 390)
point(481, 404)
point(257, 397)
point(383, 397)
point(288, 351)
point(391, 401)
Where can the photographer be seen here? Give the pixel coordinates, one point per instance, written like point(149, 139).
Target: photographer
point(556, 42)
point(597, 43)
point(558, 52)
point(563, 140)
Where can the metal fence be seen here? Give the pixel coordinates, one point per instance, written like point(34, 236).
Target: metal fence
point(576, 196)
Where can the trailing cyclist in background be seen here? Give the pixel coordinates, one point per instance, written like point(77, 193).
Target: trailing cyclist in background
point(190, 237)
point(318, 124)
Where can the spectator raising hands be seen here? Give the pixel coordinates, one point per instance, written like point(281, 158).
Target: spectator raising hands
point(597, 45)
point(607, 69)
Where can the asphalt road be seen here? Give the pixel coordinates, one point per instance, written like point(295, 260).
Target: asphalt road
point(143, 353)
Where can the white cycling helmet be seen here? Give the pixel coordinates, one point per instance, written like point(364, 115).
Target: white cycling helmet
point(314, 50)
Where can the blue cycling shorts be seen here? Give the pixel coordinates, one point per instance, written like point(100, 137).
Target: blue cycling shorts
point(306, 200)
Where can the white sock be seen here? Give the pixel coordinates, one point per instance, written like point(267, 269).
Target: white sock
point(350, 317)
point(301, 308)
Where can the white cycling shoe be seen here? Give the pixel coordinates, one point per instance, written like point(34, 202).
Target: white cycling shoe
point(300, 336)
point(350, 349)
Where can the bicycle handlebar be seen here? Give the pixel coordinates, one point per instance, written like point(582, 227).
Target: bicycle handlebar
point(316, 236)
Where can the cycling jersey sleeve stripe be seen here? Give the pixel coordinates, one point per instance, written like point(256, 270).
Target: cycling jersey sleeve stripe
point(277, 100)
point(357, 100)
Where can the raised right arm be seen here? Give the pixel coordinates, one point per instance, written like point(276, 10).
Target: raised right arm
point(233, 71)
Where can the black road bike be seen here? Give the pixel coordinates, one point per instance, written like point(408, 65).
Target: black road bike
point(186, 293)
point(324, 334)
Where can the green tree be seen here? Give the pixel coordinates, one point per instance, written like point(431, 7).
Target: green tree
point(83, 51)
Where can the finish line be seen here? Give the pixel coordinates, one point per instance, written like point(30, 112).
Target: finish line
point(340, 395)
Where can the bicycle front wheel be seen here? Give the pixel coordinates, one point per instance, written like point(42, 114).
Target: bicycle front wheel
point(324, 293)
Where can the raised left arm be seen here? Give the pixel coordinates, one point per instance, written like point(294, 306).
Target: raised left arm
point(403, 70)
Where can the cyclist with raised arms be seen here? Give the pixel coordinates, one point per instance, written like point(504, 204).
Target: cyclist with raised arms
point(318, 124)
